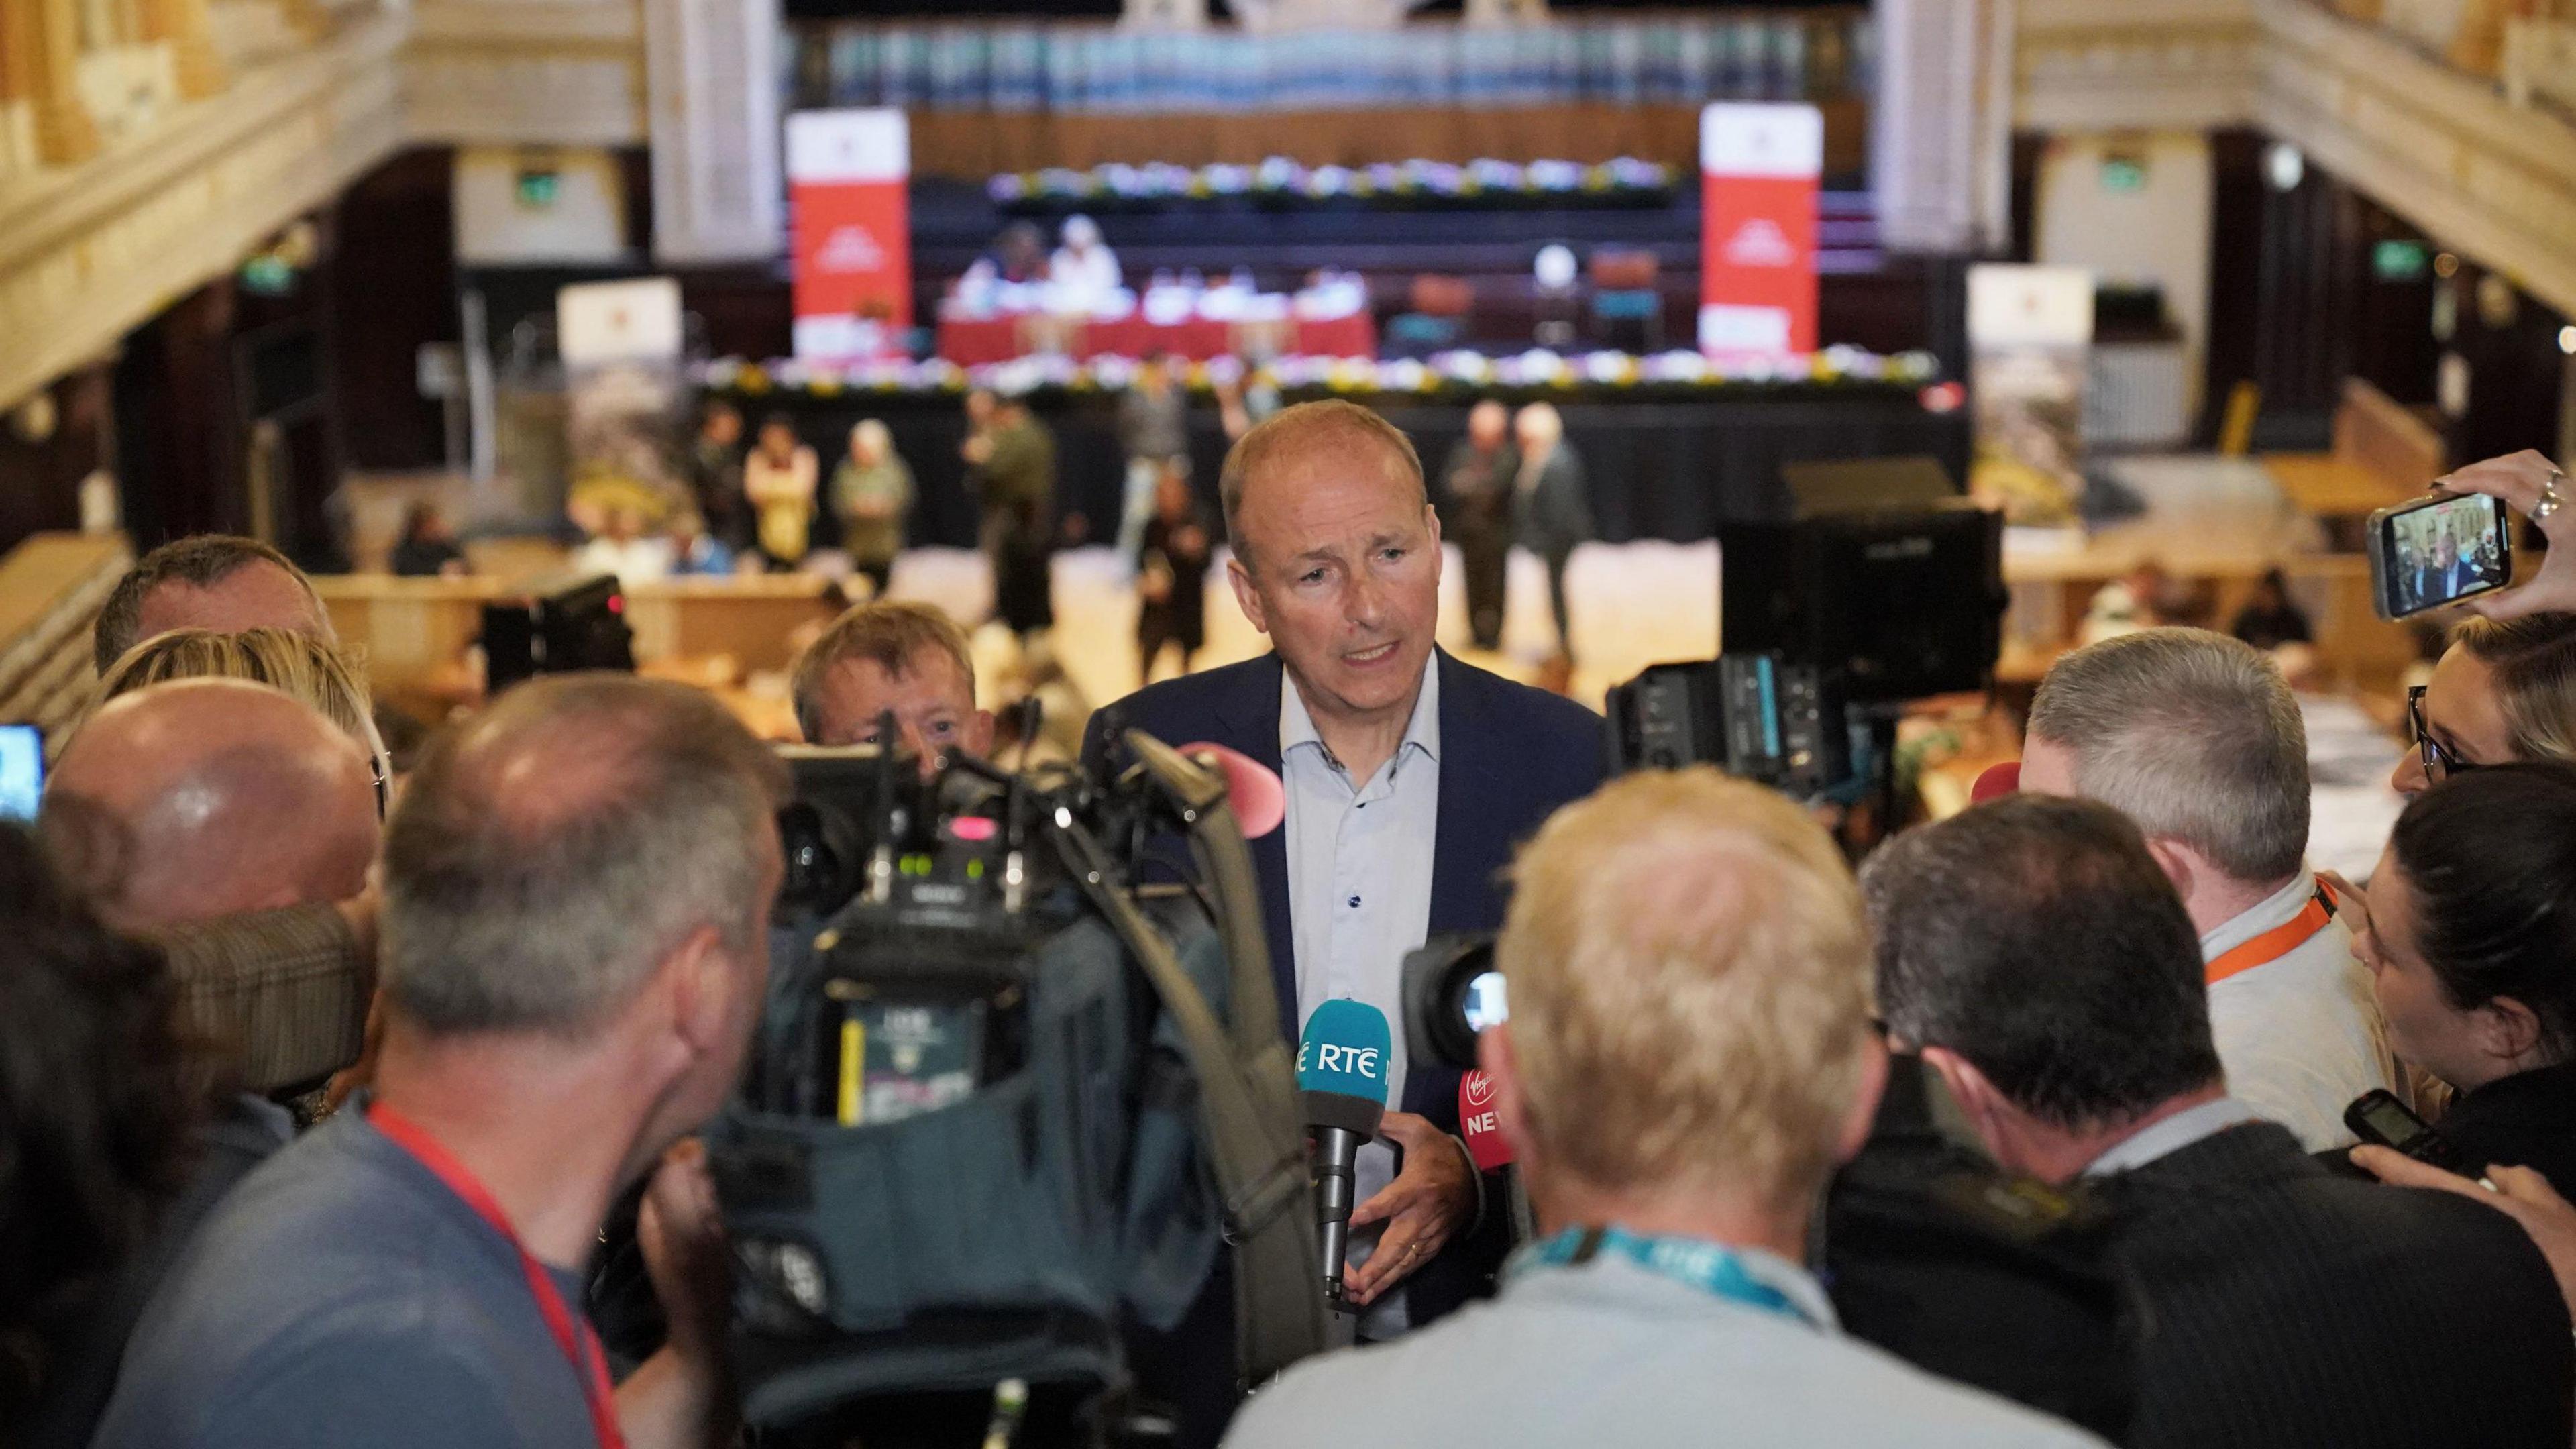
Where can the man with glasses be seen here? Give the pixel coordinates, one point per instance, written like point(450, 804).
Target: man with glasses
point(2197, 738)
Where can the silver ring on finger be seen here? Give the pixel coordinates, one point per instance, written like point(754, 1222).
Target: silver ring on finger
point(2550, 497)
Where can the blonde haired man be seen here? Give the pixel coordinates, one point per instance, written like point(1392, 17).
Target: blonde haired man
point(1689, 1056)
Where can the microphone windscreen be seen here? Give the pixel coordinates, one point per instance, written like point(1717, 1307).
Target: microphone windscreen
point(1996, 782)
point(1260, 802)
point(1345, 1050)
point(1479, 1124)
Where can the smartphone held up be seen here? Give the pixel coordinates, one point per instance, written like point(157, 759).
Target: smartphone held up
point(2437, 551)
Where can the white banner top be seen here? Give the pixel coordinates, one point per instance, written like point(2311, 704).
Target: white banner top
point(1761, 140)
point(639, 321)
point(848, 146)
point(2010, 305)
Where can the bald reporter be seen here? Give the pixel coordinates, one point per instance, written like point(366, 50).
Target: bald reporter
point(1689, 1055)
point(202, 798)
point(577, 885)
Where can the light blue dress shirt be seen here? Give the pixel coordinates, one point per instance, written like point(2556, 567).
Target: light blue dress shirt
point(1359, 890)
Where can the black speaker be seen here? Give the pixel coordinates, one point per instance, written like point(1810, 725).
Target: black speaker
point(1898, 592)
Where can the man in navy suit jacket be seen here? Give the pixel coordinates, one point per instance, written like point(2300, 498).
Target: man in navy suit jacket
point(1337, 558)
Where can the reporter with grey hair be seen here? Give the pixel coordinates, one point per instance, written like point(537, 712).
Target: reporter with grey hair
point(577, 885)
point(2197, 738)
point(2034, 953)
point(1689, 1056)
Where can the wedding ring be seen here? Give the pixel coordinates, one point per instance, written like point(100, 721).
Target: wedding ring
point(2550, 497)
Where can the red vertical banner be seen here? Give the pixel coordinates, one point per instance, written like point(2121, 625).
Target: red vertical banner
point(1759, 168)
point(851, 230)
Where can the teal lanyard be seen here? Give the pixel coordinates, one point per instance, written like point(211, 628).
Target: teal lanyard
point(1703, 1265)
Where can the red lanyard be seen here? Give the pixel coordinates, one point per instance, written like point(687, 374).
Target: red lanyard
point(572, 1333)
point(2277, 942)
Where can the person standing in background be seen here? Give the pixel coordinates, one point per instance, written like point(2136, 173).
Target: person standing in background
point(715, 475)
point(1553, 512)
point(1171, 578)
point(1477, 500)
point(872, 492)
point(1154, 429)
point(1011, 467)
point(779, 479)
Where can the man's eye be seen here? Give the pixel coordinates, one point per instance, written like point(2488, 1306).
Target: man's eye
point(942, 729)
point(1311, 576)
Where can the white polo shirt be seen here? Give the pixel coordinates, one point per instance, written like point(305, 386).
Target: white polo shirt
point(2299, 1035)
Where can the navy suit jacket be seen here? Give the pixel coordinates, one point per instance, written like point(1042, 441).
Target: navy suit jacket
point(1509, 756)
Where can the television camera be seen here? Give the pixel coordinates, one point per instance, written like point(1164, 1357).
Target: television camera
point(1005, 1096)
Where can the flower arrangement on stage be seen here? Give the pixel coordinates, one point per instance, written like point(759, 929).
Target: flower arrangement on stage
point(1607, 374)
point(1281, 184)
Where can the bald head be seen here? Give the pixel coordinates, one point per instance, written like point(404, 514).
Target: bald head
point(208, 797)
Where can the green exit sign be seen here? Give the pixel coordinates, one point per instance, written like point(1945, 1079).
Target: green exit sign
point(2124, 173)
point(2398, 261)
point(540, 188)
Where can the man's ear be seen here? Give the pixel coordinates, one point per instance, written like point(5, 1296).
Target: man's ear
point(699, 982)
point(979, 734)
point(1862, 1115)
point(1244, 594)
point(2179, 862)
point(1986, 1109)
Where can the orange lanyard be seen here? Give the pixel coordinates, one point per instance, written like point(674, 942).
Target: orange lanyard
point(2277, 942)
point(572, 1333)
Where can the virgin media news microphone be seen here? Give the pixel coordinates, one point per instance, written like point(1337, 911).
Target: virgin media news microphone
point(1341, 1081)
point(1477, 1123)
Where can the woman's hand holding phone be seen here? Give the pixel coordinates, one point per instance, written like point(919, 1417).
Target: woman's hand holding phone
point(2517, 479)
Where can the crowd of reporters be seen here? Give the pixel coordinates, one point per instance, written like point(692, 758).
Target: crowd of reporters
point(2036, 1131)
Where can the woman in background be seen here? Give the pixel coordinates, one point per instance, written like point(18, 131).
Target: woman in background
point(779, 478)
point(2471, 944)
point(2504, 691)
point(872, 492)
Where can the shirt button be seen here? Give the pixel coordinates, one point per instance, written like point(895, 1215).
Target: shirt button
point(1355, 903)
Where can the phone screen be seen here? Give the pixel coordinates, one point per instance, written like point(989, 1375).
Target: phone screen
point(2442, 552)
point(22, 770)
point(2390, 1120)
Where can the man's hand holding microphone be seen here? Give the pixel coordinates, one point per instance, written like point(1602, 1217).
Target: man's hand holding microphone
point(1342, 1065)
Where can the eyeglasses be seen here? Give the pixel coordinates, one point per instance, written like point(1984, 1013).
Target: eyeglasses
point(383, 770)
point(2439, 762)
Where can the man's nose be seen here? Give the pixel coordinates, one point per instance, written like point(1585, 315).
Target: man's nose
point(1364, 602)
point(925, 755)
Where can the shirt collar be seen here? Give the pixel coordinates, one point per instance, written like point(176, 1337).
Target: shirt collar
point(1769, 1269)
point(2171, 1135)
point(1422, 732)
point(2277, 909)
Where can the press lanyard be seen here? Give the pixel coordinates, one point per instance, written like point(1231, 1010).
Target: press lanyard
point(1704, 1265)
point(2277, 942)
point(572, 1333)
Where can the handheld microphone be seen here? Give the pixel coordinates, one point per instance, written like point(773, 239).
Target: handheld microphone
point(1480, 1125)
point(1341, 1081)
point(1995, 782)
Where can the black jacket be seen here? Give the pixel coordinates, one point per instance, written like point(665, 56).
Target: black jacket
point(2281, 1306)
point(2524, 1120)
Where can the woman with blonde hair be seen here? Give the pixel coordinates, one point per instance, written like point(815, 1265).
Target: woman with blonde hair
point(2504, 693)
point(294, 664)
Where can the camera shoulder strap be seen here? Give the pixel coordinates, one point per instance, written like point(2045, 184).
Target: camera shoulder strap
point(1246, 1102)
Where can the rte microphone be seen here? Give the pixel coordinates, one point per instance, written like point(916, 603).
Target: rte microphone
point(1341, 1081)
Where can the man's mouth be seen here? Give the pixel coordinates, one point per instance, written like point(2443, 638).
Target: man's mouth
point(1377, 655)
